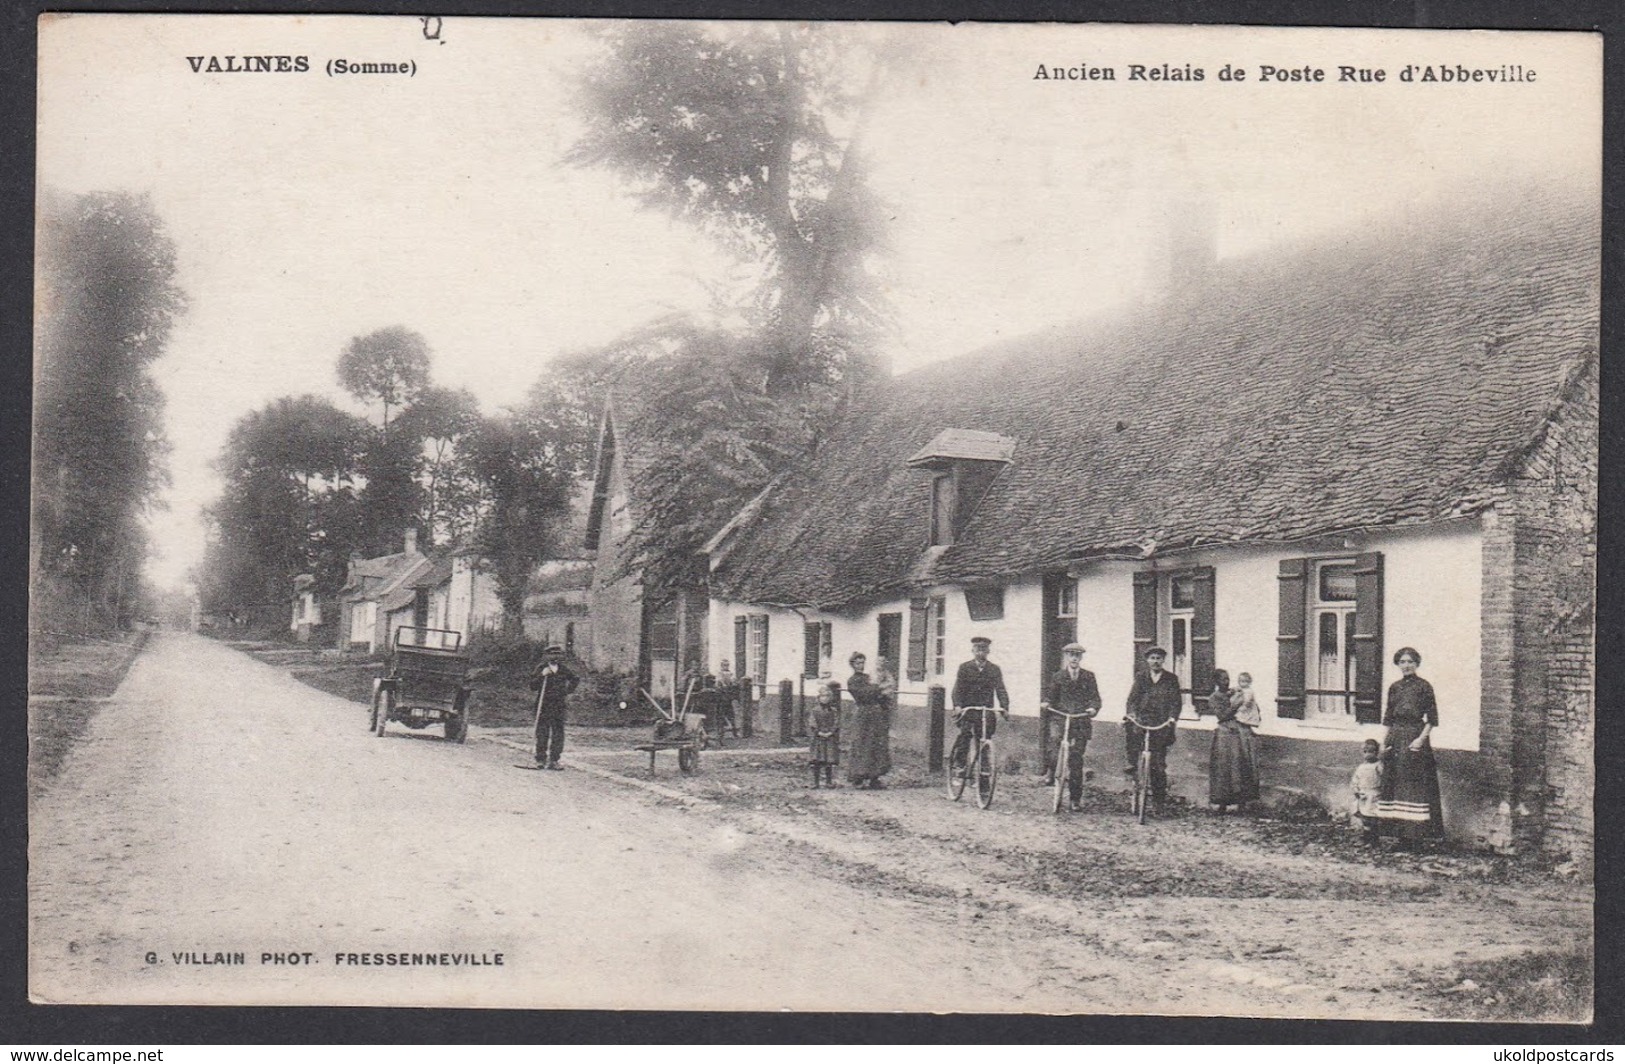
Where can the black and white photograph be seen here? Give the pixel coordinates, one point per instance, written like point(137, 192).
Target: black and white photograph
point(855, 517)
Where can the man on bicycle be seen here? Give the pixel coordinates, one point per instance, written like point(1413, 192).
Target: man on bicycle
point(979, 683)
point(1153, 700)
point(1071, 690)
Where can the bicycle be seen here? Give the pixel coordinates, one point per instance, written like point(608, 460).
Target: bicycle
point(1141, 799)
point(1062, 767)
point(980, 763)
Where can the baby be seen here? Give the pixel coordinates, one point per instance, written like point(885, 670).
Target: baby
point(1368, 789)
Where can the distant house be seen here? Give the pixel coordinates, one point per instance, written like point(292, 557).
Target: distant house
point(1292, 466)
point(658, 633)
point(364, 619)
point(558, 595)
point(307, 608)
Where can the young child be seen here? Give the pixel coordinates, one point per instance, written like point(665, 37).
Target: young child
point(824, 722)
point(1368, 788)
point(1245, 702)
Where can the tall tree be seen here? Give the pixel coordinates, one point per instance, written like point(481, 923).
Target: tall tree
point(289, 504)
point(389, 366)
point(443, 421)
point(108, 300)
point(754, 133)
point(527, 490)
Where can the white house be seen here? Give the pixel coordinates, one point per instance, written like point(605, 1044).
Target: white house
point(1298, 463)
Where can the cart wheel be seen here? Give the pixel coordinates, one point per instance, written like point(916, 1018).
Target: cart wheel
point(688, 760)
point(386, 706)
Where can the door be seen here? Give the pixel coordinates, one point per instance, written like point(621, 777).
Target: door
point(1181, 620)
point(1331, 660)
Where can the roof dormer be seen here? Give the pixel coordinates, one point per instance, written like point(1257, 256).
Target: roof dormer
point(963, 464)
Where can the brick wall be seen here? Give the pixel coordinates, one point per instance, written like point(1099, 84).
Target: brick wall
point(1538, 605)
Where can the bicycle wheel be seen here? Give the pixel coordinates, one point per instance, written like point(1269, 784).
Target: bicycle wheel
point(987, 774)
point(960, 775)
point(1061, 769)
point(1142, 785)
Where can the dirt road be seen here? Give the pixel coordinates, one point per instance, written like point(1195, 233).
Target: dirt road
point(218, 808)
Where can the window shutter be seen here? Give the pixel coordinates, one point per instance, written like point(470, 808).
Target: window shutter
point(809, 651)
point(741, 647)
point(1145, 617)
point(917, 635)
point(1203, 658)
point(1289, 675)
point(1368, 638)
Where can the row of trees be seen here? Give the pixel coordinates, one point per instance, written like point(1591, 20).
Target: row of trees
point(752, 134)
point(107, 302)
point(309, 484)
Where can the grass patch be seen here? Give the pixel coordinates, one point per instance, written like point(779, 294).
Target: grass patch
point(80, 673)
point(1551, 986)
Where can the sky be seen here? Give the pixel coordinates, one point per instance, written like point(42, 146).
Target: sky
point(308, 208)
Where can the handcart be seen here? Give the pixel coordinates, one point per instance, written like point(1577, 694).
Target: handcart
point(676, 730)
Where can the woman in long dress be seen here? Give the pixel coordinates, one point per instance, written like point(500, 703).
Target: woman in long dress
point(870, 756)
point(1409, 807)
point(1232, 768)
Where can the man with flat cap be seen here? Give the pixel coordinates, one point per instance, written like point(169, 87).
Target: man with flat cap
point(553, 682)
point(979, 683)
point(1071, 690)
point(1153, 700)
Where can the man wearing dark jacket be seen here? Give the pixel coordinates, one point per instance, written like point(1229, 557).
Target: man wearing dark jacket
point(553, 683)
point(979, 683)
point(1071, 690)
point(1153, 700)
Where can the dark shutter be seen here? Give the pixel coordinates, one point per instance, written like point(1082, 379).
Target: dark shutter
point(812, 636)
point(1289, 674)
point(1202, 647)
point(741, 646)
point(985, 603)
point(1145, 617)
point(916, 639)
point(1368, 638)
point(1058, 630)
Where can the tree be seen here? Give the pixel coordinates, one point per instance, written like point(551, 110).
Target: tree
point(289, 506)
point(443, 420)
point(108, 300)
point(526, 489)
point(390, 366)
point(734, 129)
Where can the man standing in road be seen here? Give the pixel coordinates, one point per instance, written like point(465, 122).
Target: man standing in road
point(1071, 690)
point(979, 683)
point(1153, 700)
point(553, 682)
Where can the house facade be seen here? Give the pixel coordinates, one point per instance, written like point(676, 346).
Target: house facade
point(307, 609)
point(364, 616)
point(658, 634)
point(1292, 467)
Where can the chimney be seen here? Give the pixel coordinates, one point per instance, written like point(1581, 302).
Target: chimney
point(411, 541)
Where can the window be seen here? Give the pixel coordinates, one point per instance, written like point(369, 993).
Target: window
point(817, 649)
point(758, 648)
point(1177, 612)
point(938, 627)
point(942, 509)
point(1330, 638)
point(1066, 598)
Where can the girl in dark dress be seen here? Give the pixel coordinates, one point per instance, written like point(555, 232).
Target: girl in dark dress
point(1409, 807)
point(870, 756)
point(1232, 768)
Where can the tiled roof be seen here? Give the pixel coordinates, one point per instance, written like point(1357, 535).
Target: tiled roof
point(1379, 380)
point(385, 570)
